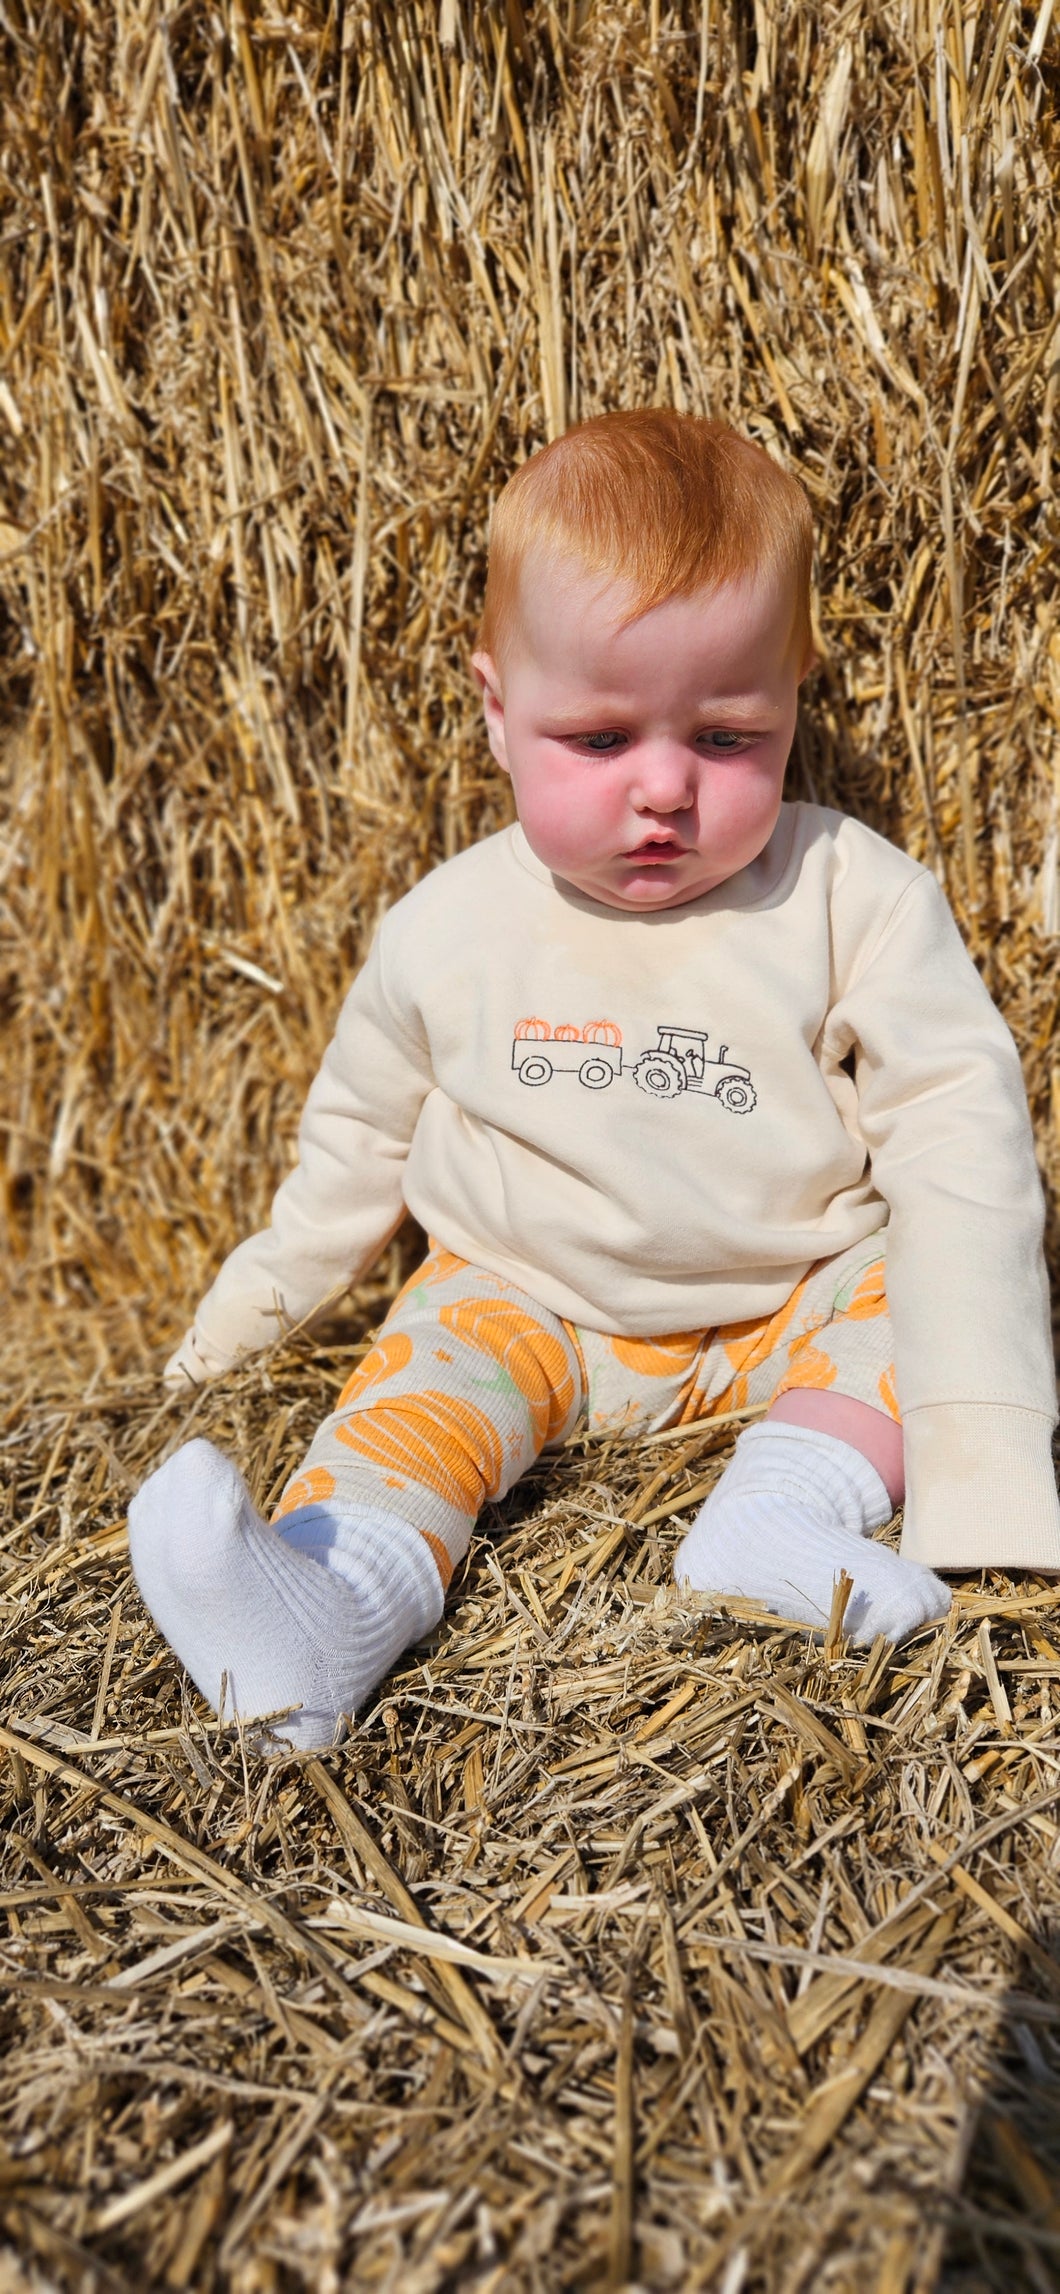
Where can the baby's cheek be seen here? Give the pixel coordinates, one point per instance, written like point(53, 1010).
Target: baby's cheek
point(748, 802)
point(565, 812)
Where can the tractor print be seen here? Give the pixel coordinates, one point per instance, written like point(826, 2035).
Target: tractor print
point(678, 1061)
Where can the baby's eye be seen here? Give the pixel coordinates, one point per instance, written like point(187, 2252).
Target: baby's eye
point(602, 743)
point(724, 740)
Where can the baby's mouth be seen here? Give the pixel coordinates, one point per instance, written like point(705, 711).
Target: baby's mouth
point(656, 848)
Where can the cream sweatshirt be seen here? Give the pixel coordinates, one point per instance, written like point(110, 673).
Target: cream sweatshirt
point(658, 1123)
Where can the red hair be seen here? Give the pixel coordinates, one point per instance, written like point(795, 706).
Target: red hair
point(669, 503)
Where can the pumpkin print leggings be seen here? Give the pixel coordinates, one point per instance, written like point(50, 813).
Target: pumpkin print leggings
point(469, 1379)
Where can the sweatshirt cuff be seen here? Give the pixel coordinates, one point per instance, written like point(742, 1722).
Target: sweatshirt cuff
point(228, 1330)
point(980, 1487)
point(196, 1359)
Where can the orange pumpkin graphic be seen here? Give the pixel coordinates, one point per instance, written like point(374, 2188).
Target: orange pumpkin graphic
point(748, 1344)
point(535, 1361)
point(808, 1366)
point(389, 1355)
point(437, 1268)
point(310, 1488)
point(445, 1444)
point(442, 1556)
point(658, 1357)
point(602, 1031)
point(870, 1297)
point(888, 1396)
point(537, 1028)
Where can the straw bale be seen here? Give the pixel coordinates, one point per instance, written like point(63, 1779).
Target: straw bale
point(721, 1956)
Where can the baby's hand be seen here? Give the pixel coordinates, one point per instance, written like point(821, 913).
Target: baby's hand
point(193, 1363)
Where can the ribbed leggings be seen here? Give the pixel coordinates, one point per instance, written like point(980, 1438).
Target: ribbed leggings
point(470, 1379)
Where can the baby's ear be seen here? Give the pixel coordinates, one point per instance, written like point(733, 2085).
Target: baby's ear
point(816, 652)
point(484, 671)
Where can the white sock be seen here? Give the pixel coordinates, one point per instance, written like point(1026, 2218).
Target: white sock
point(791, 1511)
point(309, 1614)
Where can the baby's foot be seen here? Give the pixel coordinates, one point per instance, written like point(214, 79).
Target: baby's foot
point(790, 1514)
point(234, 1597)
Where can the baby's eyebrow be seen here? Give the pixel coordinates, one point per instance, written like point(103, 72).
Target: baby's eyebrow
point(750, 700)
point(590, 720)
point(752, 708)
point(602, 716)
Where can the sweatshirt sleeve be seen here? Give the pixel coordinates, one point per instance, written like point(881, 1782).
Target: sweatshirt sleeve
point(943, 1112)
point(342, 1202)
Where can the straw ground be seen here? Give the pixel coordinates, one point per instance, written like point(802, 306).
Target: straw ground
point(678, 1991)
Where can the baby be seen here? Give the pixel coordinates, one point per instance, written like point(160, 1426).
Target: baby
point(701, 1097)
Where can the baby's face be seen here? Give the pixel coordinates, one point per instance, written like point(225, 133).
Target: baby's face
point(647, 760)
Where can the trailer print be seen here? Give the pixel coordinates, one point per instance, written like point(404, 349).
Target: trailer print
point(678, 1061)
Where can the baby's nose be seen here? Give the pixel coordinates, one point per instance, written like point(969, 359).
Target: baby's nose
point(664, 779)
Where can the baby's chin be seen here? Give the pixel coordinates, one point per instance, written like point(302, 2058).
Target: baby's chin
point(639, 892)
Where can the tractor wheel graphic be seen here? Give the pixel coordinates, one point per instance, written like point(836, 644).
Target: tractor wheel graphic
point(536, 1069)
point(738, 1097)
point(663, 1077)
point(596, 1074)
